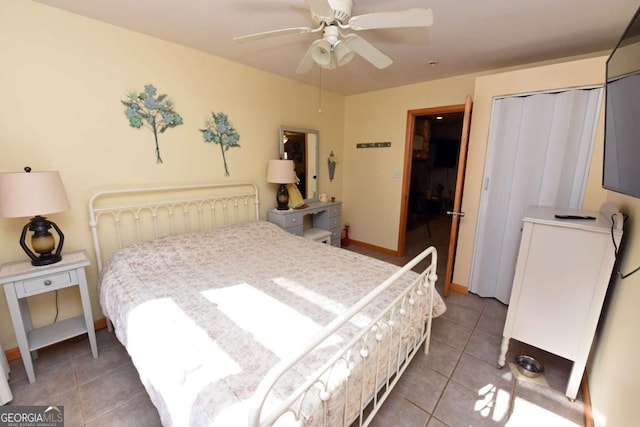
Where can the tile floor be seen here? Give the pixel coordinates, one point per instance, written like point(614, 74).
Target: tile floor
point(456, 384)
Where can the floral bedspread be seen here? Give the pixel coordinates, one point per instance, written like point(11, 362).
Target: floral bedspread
point(205, 316)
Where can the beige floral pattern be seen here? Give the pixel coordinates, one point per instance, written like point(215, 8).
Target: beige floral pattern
point(205, 316)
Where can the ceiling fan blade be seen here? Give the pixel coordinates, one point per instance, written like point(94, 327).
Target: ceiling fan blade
point(400, 19)
point(368, 51)
point(321, 10)
point(307, 60)
point(297, 30)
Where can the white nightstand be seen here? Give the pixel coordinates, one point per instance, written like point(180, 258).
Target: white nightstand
point(22, 280)
point(5, 391)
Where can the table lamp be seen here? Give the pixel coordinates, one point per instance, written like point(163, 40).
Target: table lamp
point(25, 194)
point(281, 172)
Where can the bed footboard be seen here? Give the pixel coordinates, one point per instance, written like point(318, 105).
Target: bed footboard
point(352, 393)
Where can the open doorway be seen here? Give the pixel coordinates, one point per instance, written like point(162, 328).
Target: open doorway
point(432, 185)
point(434, 166)
point(434, 162)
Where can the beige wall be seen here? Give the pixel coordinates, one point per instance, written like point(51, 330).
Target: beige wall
point(614, 374)
point(372, 191)
point(61, 81)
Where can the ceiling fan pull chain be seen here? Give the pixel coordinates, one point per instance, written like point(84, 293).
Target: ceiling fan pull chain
point(320, 92)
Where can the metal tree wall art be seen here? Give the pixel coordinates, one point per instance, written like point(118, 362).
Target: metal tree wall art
point(219, 130)
point(151, 111)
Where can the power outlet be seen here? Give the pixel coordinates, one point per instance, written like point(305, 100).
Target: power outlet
point(397, 174)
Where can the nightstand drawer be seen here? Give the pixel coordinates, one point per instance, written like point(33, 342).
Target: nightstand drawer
point(46, 284)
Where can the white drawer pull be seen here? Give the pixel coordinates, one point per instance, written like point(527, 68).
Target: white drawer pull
point(47, 282)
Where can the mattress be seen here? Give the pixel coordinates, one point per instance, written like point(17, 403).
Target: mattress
point(205, 316)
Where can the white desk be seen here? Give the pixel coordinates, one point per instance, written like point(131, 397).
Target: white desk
point(22, 280)
point(326, 216)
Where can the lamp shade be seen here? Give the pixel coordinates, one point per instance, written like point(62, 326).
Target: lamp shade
point(281, 172)
point(24, 194)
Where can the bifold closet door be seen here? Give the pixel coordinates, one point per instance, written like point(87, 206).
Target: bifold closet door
point(538, 153)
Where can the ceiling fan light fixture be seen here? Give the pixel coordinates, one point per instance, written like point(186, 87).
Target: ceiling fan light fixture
point(343, 53)
point(335, 48)
point(321, 53)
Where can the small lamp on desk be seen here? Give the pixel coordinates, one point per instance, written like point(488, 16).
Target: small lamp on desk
point(32, 194)
point(281, 172)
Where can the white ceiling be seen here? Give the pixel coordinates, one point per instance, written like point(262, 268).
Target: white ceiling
point(467, 35)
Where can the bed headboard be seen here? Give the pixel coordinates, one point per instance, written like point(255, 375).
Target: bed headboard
point(121, 217)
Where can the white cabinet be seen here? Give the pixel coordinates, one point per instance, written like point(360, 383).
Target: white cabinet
point(561, 278)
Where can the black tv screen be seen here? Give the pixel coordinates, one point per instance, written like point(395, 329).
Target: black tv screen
point(621, 168)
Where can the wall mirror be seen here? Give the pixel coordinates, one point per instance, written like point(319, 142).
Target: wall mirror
point(301, 146)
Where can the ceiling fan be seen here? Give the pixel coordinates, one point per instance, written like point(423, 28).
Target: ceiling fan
point(336, 48)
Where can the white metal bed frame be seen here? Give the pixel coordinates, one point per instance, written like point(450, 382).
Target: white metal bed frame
point(219, 210)
point(135, 211)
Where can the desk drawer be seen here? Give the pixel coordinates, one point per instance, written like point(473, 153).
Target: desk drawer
point(334, 222)
point(336, 236)
point(335, 210)
point(46, 284)
point(286, 220)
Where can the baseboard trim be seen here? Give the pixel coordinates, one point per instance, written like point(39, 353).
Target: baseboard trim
point(462, 289)
point(373, 247)
point(14, 353)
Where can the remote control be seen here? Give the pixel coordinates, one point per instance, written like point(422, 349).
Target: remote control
point(575, 217)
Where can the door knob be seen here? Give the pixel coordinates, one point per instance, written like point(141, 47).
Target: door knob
point(455, 214)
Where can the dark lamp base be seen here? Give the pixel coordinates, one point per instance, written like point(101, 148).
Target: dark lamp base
point(42, 241)
point(282, 197)
point(46, 260)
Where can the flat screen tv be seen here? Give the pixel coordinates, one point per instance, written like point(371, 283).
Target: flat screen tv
point(621, 169)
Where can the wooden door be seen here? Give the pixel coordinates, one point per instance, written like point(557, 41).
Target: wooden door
point(457, 202)
point(462, 158)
